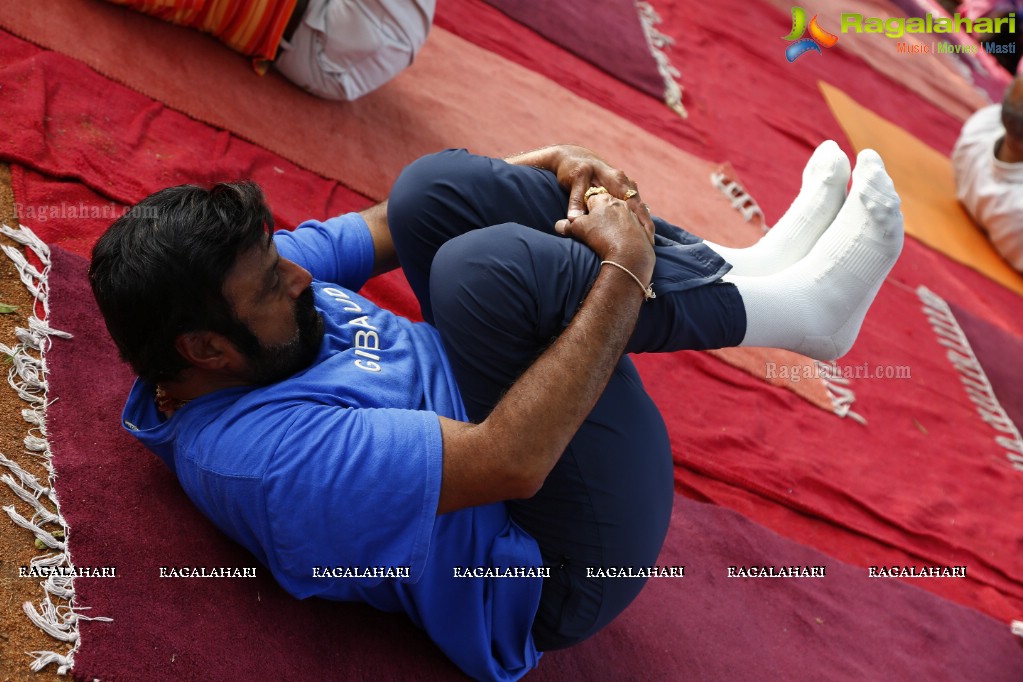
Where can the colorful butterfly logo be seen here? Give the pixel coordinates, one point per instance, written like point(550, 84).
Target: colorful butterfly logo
point(818, 36)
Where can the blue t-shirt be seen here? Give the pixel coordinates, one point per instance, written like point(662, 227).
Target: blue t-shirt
point(335, 472)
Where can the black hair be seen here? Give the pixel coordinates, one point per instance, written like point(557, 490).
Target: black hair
point(159, 271)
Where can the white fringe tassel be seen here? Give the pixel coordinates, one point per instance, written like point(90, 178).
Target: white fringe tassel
point(657, 41)
point(975, 381)
point(28, 377)
point(741, 200)
point(839, 390)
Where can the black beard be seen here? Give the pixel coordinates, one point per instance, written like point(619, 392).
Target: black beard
point(272, 363)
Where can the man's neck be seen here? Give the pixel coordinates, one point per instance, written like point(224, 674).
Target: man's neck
point(1008, 151)
point(194, 383)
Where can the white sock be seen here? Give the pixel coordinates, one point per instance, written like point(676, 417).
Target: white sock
point(820, 198)
point(816, 306)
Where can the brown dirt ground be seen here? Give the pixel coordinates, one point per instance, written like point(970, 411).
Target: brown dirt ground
point(17, 546)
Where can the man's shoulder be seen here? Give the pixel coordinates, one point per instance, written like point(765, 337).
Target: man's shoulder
point(338, 249)
point(240, 432)
point(228, 435)
point(973, 156)
point(344, 220)
point(982, 128)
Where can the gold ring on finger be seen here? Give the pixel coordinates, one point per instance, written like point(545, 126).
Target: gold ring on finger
point(594, 191)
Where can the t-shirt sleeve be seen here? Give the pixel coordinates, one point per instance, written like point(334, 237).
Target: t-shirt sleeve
point(339, 250)
point(352, 488)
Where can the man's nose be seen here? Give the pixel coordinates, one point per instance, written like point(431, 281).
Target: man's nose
point(298, 278)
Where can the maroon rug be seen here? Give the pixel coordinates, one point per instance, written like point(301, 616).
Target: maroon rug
point(606, 33)
point(126, 511)
point(1000, 353)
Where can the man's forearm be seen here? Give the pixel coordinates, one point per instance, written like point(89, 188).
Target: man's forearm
point(385, 258)
point(547, 158)
point(514, 449)
point(545, 407)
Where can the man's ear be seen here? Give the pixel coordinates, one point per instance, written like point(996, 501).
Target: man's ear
point(207, 350)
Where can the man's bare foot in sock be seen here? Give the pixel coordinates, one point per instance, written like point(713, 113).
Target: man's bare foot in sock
point(816, 306)
point(820, 199)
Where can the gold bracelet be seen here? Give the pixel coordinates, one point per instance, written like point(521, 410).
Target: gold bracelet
point(648, 291)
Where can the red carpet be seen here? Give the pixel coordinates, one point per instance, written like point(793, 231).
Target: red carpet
point(926, 475)
point(790, 117)
point(102, 156)
point(747, 104)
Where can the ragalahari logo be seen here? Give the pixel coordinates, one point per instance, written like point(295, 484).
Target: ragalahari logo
point(818, 36)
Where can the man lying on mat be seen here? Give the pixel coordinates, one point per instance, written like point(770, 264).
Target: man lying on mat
point(336, 49)
point(988, 165)
point(363, 457)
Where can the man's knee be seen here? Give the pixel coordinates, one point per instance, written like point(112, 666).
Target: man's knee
point(509, 281)
point(430, 187)
point(490, 268)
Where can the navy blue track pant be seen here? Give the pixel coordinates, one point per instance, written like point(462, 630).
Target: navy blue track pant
point(475, 237)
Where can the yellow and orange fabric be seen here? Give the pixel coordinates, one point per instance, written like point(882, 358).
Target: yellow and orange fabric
point(250, 27)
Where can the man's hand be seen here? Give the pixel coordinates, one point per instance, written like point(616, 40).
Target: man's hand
point(579, 169)
point(614, 233)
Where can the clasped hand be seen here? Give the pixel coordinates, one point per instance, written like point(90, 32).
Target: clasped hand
point(615, 224)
